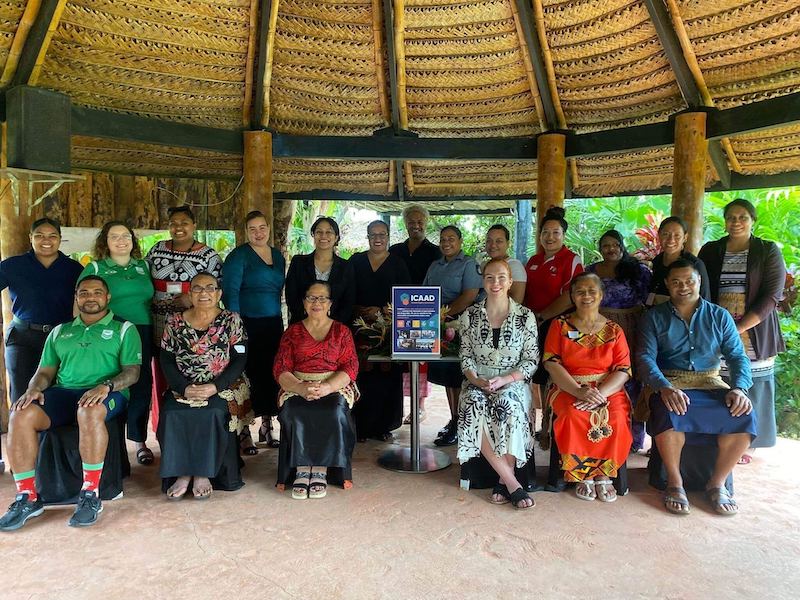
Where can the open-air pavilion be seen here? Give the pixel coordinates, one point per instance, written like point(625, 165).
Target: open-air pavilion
point(117, 109)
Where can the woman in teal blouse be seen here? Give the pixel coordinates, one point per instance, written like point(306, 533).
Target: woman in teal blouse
point(118, 260)
point(252, 280)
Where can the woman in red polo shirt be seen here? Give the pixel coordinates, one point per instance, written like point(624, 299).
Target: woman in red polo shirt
point(550, 272)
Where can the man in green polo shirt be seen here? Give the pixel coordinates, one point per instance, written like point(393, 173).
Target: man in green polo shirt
point(83, 375)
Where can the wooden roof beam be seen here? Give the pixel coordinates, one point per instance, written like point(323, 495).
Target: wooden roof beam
point(259, 116)
point(662, 21)
point(37, 42)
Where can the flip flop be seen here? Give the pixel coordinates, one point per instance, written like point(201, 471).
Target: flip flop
point(744, 460)
point(678, 496)
point(719, 498)
point(176, 497)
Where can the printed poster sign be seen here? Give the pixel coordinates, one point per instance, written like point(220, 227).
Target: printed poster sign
point(415, 322)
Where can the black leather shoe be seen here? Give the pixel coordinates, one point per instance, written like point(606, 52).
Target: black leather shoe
point(449, 438)
point(445, 429)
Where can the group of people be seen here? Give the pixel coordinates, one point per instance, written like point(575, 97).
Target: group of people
point(88, 345)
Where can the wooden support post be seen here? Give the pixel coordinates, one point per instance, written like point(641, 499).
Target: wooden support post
point(689, 174)
point(257, 185)
point(522, 231)
point(551, 176)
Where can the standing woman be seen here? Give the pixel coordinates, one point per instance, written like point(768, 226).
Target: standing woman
point(321, 265)
point(457, 275)
point(252, 281)
point(173, 265)
point(41, 284)
point(118, 260)
point(747, 276)
point(380, 409)
point(673, 233)
point(497, 239)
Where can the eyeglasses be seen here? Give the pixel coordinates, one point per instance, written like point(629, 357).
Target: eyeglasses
point(377, 236)
point(317, 299)
point(122, 237)
point(199, 289)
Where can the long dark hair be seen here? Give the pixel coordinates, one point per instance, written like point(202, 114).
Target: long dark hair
point(627, 268)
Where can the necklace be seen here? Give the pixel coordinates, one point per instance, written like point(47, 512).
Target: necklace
point(588, 328)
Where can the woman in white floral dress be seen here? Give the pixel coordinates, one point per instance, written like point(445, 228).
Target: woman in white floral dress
point(499, 355)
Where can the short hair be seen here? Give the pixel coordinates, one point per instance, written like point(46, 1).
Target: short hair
point(497, 261)
point(101, 249)
point(416, 208)
point(681, 263)
point(334, 225)
point(673, 219)
point(92, 278)
point(745, 204)
point(586, 275)
point(204, 274)
point(452, 228)
point(317, 282)
point(184, 208)
point(555, 213)
point(499, 227)
point(377, 222)
point(254, 214)
point(46, 221)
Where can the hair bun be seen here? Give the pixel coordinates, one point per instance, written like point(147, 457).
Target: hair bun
point(555, 212)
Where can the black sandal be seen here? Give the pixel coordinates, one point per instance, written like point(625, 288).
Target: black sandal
point(246, 444)
point(144, 456)
point(500, 490)
point(518, 496)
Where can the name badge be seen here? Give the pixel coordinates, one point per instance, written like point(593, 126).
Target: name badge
point(573, 335)
point(174, 287)
point(239, 348)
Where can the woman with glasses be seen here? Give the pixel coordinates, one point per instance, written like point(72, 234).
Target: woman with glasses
point(380, 409)
point(203, 355)
point(118, 260)
point(316, 368)
point(747, 276)
point(321, 265)
point(252, 282)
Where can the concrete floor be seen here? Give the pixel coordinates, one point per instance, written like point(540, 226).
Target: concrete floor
point(413, 536)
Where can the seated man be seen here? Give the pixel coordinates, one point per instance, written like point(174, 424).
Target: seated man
point(681, 342)
point(91, 359)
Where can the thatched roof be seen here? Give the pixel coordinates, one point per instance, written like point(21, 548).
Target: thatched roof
point(465, 69)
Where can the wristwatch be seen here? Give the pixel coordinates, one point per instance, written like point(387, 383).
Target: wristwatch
point(110, 384)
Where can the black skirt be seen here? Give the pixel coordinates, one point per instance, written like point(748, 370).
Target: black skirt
point(541, 376)
point(263, 338)
point(447, 374)
point(379, 410)
point(316, 433)
point(197, 442)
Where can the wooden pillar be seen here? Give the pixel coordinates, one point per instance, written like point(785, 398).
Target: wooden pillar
point(689, 174)
point(522, 231)
point(551, 176)
point(257, 185)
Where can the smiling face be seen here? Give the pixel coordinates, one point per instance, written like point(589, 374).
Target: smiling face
point(181, 229)
point(378, 236)
point(317, 301)
point(738, 222)
point(120, 241)
point(92, 297)
point(325, 237)
point(415, 225)
point(610, 249)
point(449, 243)
point(496, 244)
point(45, 241)
point(552, 237)
point(587, 295)
point(497, 279)
point(257, 232)
point(205, 292)
point(672, 238)
point(683, 285)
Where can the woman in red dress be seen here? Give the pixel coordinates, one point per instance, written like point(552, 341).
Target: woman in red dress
point(316, 367)
point(588, 361)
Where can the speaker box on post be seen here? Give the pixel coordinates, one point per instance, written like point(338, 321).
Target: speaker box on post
point(39, 129)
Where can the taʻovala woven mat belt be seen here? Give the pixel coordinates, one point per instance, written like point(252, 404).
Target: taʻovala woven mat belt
point(696, 380)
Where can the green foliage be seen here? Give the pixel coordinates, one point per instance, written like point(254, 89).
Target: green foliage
point(787, 377)
point(473, 229)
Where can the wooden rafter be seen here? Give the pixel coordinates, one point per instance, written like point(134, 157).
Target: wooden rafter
point(266, 45)
point(18, 43)
point(252, 40)
point(36, 42)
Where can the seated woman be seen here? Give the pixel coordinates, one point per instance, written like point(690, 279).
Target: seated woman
point(316, 367)
point(498, 358)
point(203, 356)
point(588, 361)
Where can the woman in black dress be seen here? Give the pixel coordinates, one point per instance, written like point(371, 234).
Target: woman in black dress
point(380, 409)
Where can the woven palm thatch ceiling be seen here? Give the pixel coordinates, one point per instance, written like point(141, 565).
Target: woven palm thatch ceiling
point(462, 71)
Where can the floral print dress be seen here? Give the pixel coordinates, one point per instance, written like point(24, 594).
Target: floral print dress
point(504, 415)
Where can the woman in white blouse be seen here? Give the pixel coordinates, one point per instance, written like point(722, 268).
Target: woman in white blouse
point(498, 357)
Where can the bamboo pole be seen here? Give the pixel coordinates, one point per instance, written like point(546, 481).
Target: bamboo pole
point(400, 58)
point(18, 43)
point(380, 67)
point(51, 29)
point(409, 176)
point(526, 59)
point(547, 58)
point(390, 187)
point(257, 185)
point(551, 173)
point(247, 102)
point(689, 174)
point(273, 19)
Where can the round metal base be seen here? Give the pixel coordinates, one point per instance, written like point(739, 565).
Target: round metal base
point(399, 459)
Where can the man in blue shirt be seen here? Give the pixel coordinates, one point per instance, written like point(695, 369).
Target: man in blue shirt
point(681, 342)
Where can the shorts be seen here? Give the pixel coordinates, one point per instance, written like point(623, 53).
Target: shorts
point(61, 405)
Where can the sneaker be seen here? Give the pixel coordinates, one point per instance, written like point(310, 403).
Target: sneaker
point(88, 509)
point(20, 511)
